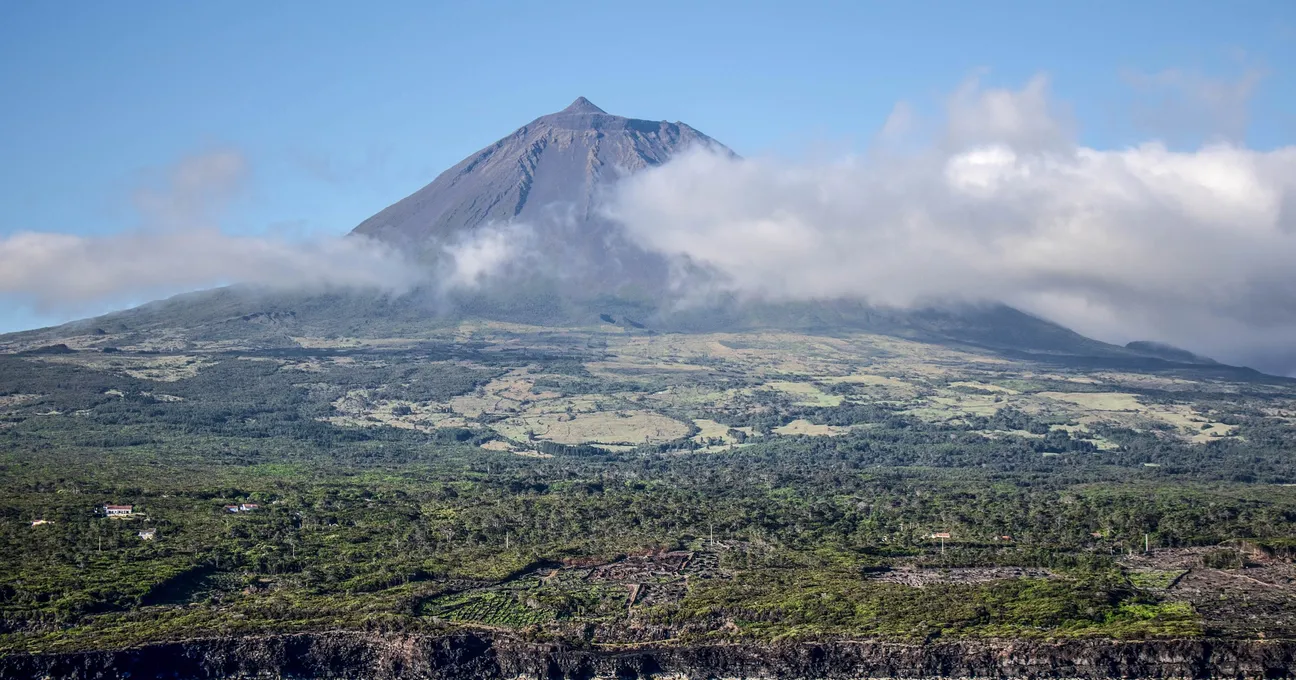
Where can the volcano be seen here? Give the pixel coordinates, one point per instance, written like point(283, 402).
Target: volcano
point(551, 170)
point(546, 182)
point(548, 177)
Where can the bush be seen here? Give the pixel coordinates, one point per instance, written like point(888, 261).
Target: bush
point(1224, 558)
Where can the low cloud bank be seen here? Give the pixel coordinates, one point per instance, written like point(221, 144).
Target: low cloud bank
point(63, 271)
point(1194, 248)
point(179, 247)
point(485, 253)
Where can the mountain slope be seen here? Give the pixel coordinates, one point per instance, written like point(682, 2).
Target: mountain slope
point(549, 176)
point(238, 317)
point(548, 171)
point(546, 177)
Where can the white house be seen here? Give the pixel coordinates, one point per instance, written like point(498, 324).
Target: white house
point(118, 510)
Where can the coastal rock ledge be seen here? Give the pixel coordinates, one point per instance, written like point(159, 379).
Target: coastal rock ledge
point(470, 656)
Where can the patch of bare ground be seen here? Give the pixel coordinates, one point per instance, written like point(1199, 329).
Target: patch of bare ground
point(359, 408)
point(158, 368)
point(1255, 599)
point(505, 447)
point(605, 427)
point(805, 427)
point(513, 392)
point(11, 400)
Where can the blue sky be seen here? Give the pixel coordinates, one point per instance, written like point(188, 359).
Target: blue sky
point(341, 108)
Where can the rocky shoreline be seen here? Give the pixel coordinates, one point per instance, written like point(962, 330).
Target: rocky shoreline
point(469, 656)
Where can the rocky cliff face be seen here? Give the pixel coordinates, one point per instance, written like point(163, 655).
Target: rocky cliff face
point(472, 657)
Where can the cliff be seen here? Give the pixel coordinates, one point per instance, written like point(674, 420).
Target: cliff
point(470, 656)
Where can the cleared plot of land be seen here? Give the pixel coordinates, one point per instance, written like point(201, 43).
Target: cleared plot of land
point(500, 445)
point(691, 396)
point(710, 429)
point(625, 367)
point(951, 405)
point(533, 414)
point(1252, 596)
point(983, 386)
point(866, 379)
point(806, 394)
point(513, 392)
point(608, 427)
point(359, 408)
point(1125, 409)
point(974, 404)
point(165, 368)
point(805, 427)
point(871, 387)
point(11, 400)
point(1283, 412)
point(1212, 432)
point(1098, 401)
point(1082, 431)
point(710, 432)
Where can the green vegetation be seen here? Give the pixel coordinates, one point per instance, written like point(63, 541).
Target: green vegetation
point(607, 487)
point(777, 603)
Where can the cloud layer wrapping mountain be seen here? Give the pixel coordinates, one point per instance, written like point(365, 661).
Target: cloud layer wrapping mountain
point(66, 271)
point(997, 202)
point(179, 246)
point(1189, 247)
point(550, 175)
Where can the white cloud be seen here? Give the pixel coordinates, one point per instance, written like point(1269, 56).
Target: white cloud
point(180, 246)
point(68, 272)
point(1193, 248)
point(485, 253)
point(1026, 119)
